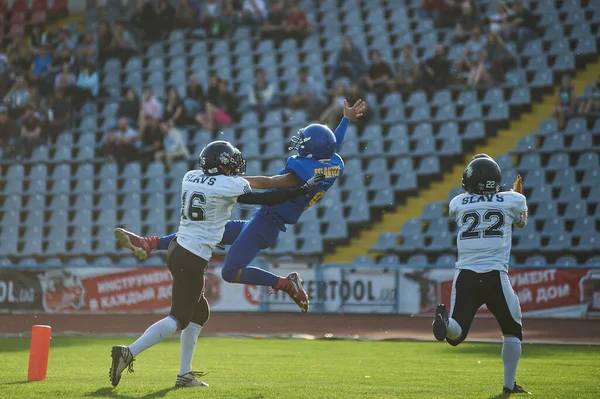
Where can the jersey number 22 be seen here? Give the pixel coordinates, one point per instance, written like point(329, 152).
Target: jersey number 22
point(193, 210)
point(492, 215)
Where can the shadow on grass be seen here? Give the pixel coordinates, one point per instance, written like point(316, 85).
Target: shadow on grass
point(18, 382)
point(111, 393)
point(21, 344)
point(501, 396)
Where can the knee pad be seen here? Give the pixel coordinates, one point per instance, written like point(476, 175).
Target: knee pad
point(230, 274)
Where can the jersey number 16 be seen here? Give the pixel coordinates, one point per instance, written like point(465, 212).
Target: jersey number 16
point(192, 209)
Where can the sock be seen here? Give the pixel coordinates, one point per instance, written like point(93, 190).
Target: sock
point(189, 336)
point(153, 335)
point(454, 330)
point(511, 352)
point(163, 242)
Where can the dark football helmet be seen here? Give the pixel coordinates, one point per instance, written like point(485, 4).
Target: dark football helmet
point(221, 158)
point(482, 176)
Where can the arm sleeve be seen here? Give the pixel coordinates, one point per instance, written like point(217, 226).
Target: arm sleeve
point(340, 132)
point(270, 197)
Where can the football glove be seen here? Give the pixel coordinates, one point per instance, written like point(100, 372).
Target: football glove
point(313, 182)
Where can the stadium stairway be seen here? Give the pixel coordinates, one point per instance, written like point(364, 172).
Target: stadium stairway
point(504, 141)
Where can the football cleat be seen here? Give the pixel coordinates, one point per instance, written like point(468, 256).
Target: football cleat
point(516, 389)
point(121, 359)
point(189, 380)
point(140, 246)
point(292, 285)
point(440, 322)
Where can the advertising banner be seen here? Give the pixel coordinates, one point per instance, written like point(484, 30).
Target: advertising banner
point(19, 290)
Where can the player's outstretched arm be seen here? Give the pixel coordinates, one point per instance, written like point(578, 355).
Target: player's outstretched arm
point(523, 221)
point(350, 115)
point(279, 196)
point(268, 182)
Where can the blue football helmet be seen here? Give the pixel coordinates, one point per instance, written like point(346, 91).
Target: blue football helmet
point(314, 141)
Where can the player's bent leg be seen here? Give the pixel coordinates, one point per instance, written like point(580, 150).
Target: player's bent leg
point(140, 246)
point(189, 337)
point(464, 302)
point(233, 228)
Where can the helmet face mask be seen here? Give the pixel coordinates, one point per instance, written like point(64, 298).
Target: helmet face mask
point(222, 158)
point(297, 143)
point(482, 176)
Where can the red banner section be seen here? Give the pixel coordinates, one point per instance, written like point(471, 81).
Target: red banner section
point(548, 289)
point(140, 289)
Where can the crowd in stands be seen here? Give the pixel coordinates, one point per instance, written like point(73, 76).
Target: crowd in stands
point(47, 76)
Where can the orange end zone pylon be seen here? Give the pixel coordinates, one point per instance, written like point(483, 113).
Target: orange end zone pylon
point(38, 353)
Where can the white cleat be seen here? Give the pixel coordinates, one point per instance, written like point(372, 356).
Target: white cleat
point(189, 380)
point(121, 359)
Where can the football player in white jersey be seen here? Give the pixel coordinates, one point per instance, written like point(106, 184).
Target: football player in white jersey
point(485, 216)
point(208, 194)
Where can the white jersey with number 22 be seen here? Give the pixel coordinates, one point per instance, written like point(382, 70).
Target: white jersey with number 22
point(485, 228)
point(206, 203)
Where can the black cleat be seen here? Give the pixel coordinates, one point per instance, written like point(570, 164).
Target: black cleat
point(516, 389)
point(440, 322)
point(121, 359)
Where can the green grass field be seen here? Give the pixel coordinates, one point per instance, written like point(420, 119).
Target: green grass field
point(257, 369)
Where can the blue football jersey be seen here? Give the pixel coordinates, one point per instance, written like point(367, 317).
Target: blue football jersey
point(304, 168)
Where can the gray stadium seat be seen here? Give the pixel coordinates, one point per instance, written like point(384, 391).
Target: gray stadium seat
point(566, 261)
point(564, 178)
point(558, 162)
point(536, 260)
point(569, 193)
point(385, 242)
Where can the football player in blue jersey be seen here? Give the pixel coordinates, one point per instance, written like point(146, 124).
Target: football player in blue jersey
point(317, 148)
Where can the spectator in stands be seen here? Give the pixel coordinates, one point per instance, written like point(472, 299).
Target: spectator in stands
point(87, 86)
point(35, 38)
point(174, 146)
point(475, 44)
point(151, 139)
point(436, 70)
point(254, 12)
point(466, 22)
point(354, 94)
point(212, 94)
point(261, 94)
point(349, 62)
point(174, 109)
point(59, 115)
point(150, 107)
point(51, 36)
point(591, 99)
point(499, 20)
point(335, 110)
point(121, 142)
point(64, 57)
point(407, 71)
point(479, 73)
point(222, 110)
point(31, 134)
point(145, 21)
point(17, 98)
point(185, 15)
point(232, 10)
point(212, 18)
point(194, 90)
point(65, 79)
point(499, 56)
point(129, 107)
point(9, 132)
point(165, 17)
point(227, 103)
point(431, 9)
point(297, 23)
point(41, 69)
point(20, 56)
point(274, 25)
point(87, 50)
point(305, 94)
point(565, 101)
point(123, 45)
point(65, 41)
point(105, 38)
point(380, 76)
point(523, 26)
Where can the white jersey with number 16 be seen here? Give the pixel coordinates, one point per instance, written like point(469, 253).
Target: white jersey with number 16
point(485, 228)
point(206, 203)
